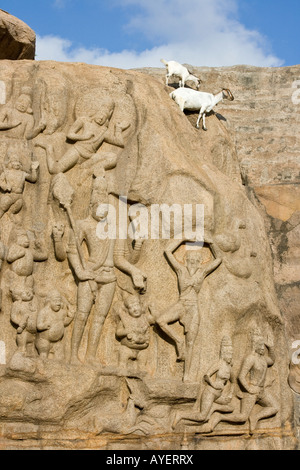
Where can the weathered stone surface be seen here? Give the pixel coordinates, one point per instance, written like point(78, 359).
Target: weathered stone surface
point(17, 40)
point(87, 135)
point(263, 122)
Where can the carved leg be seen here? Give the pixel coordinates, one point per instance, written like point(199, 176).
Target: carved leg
point(190, 337)
point(269, 409)
point(247, 405)
point(171, 316)
point(102, 306)
point(85, 301)
point(21, 342)
point(43, 346)
point(125, 354)
point(17, 206)
point(67, 161)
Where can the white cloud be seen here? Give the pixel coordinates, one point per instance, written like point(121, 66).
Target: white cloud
point(197, 32)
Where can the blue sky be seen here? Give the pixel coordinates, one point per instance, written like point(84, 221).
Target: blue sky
point(137, 33)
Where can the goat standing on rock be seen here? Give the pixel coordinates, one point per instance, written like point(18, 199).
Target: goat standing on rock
point(178, 70)
point(197, 100)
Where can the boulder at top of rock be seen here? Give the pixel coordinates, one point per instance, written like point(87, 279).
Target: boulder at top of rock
point(17, 40)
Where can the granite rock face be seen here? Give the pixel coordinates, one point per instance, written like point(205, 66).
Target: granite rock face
point(17, 40)
point(151, 343)
point(263, 122)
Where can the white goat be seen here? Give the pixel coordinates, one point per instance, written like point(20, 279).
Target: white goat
point(178, 70)
point(197, 100)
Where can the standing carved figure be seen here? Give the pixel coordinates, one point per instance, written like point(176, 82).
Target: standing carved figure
point(190, 279)
point(133, 330)
point(51, 323)
point(95, 273)
point(24, 316)
point(213, 397)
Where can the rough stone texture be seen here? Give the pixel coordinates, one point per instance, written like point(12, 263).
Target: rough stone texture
point(17, 40)
point(48, 402)
point(263, 122)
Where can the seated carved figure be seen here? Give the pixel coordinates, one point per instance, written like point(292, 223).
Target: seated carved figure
point(17, 120)
point(51, 323)
point(133, 330)
point(213, 397)
point(24, 316)
point(252, 379)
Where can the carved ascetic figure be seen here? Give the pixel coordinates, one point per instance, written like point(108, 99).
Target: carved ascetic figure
point(133, 331)
point(51, 323)
point(12, 183)
point(252, 379)
point(24, 315)
point(21, 256)
point(88, 134)
point(95, 275)
point(190, 276)
point(18, 120)
point(213, 397)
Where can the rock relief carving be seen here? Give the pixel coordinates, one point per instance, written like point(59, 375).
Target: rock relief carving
point(133, 332)
point(117, 276)
point(186, 311)
point(51, 323)
point(12, 182)
point(213, 397)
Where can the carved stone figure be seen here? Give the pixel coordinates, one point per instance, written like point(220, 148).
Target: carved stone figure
point(133, 331)
point(21, 256)
point(12, 183)
point(18, 120)
point(190, 279)
point(51, 323)
point(24, 315)
point(252, 379)
point(146, 347)
point(213, 397)
point(88, 134)
point(95, 275)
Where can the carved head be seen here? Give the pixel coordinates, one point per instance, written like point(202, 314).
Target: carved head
point(23, 239)
point(27, 294)
point(13, 160)
point(258, 343)
point(133, 306)
point(54, 300)
point(23, 104)
point(226, 349)
point(105, 112)
point(16, 294)
point(193, 260)
point(227, 95)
